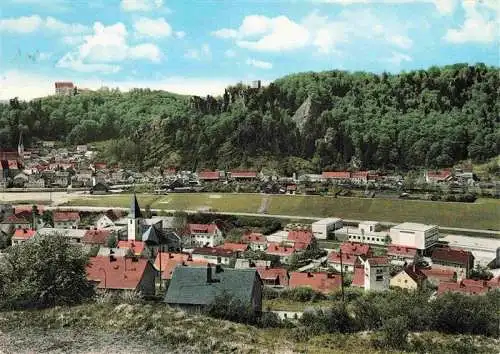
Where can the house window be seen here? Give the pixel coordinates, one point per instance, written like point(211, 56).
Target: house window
point(130, 222)
point(379, 278)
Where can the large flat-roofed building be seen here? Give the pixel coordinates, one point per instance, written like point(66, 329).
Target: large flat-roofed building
point(419, 236)
point(324, 227)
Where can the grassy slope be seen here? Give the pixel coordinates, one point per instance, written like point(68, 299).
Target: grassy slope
point(151, 328)
point(483, 214)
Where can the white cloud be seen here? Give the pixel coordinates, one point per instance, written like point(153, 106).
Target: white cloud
point(197, 54)
point(28, 85)
point(75, 63)
point(230, 53)
point(400, 41)
point(278, 34)
point(141, 5)
point(259, 64)
point(23, 24)
point(263, 33)
point(108, 44)
point(145, 51)
point(397, 58)
point(443, 6)
point(480, 25)
point(34, 23)
point(180, 34)
point(148, 27)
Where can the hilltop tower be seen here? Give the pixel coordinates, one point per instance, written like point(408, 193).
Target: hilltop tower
point(20, 146)
point(134, 219)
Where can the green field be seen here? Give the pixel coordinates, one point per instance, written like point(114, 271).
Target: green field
point(483, 214)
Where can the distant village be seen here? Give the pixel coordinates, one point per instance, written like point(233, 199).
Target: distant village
point(197, 262)
point(47, 165)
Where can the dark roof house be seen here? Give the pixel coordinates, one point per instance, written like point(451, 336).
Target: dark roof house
point(198, 287)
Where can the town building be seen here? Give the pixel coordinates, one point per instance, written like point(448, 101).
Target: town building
point(347, 261)
point(325, 228)
point(64, 88)
point(195, 288)
point(213, 255)
point(366, 232)
point(435, 276)
point(74, 235)
point(96, 237)
point(203, 235)
point(439, 176)
point(136, 247)
point(274, 277)
point(458, 260)
point(325, 283)
point(401, 254)
point(410, 278)
point(22, 235)
point(372, 274)
point(414, 235)
point(283, 252)
point(122, 273)
point(356, 249)
point(256, 241)
point(237, 248)
point(66, 219)
point(465, 286)
point(166, 262)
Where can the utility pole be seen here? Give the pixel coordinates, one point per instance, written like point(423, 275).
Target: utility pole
point(341, 274)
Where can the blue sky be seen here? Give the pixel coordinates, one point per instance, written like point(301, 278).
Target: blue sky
point(201, 46)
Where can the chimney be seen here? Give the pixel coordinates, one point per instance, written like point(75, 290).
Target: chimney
point(112, 258)
point(309, 275)
point(170, 255)
point(209, 273)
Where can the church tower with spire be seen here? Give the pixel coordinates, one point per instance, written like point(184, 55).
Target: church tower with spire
point(134, 219)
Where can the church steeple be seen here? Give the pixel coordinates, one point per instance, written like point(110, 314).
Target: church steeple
point(134, 219)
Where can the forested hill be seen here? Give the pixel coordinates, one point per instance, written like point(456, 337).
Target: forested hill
point(302, 122)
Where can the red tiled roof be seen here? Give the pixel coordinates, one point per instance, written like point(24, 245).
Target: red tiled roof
point(209, 175)
point(243, 174)
point(323, 282)
point(202, 228)
point(24, 209)
point(304, 237)
point(66, 216)
point(64, 84)
point(395, 250)
point(281, 274)
point(24, 234)
point(96, 237)
point(454, 255)
point(212, 251)
point(416, 274)
point(356, 249)
point(347, 259)
point(253, 237)
point(235, 247)
point(13, 164)
point(334, 174)
point(358, 279)
point(135, 246)
point(467, 286)
point(360, 174)
point(169, 261)
point(291, 187)
point(122, 273)
point(439, 274)
point(13, 219)
point(442, 174)
point(494, 282)
point(277, 250)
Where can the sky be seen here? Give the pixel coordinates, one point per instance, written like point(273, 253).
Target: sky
point(201, 46)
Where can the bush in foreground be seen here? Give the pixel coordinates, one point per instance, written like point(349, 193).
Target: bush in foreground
point(43, 272)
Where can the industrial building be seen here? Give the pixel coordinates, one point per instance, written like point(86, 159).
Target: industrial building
point(321, 229)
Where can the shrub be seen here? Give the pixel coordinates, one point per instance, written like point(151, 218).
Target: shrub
point(394, 334)
point(43, 272)
point(230, 308)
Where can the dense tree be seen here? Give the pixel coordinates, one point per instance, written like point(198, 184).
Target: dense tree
point(427, 118)
point(42, 272)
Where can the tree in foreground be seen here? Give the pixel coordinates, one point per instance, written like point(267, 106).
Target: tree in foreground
point(43, 272)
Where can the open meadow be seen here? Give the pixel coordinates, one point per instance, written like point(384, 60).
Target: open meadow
point(483, 214)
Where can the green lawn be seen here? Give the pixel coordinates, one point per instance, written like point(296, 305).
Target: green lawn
point(483, 214)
